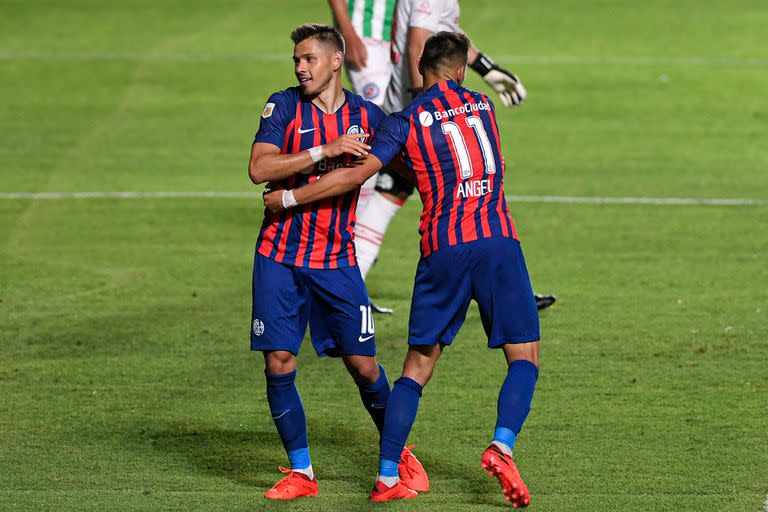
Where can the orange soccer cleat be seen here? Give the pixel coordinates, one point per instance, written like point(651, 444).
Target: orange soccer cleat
point(398, 491)
point(502, 466)
point(295, 485)
point(411, 471)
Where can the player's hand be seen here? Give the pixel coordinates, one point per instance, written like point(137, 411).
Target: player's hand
point(508, 85)
point(273, 200)
point(351, 144)
point(357, 54)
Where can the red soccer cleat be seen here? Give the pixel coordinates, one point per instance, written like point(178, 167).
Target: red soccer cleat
point(398, 491)
point(295, 485)
point(503, 467)
point(411, 471)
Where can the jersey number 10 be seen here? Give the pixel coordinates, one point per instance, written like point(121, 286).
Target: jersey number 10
point(462, 151)
point(366, 324)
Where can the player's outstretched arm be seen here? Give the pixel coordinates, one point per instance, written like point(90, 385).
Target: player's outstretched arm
point(506, 84)
point(337, 182)
point(268, 164)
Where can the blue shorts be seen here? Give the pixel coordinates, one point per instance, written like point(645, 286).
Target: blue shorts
point(333, 302)
point(491, 271)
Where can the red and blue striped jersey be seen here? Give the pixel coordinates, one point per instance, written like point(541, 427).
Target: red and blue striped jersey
point(449, 138)
point(318, 235)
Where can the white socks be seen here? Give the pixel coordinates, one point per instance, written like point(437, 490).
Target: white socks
point(389, 481)
point(372, 223)
point(505, 449)
point(306, 471)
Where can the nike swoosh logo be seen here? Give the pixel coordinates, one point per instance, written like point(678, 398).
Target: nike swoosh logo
point(306, 131)
point(363, 340)
point(281, 415)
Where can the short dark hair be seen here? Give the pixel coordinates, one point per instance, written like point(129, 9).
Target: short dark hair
point(326, 34)
point(444, 48)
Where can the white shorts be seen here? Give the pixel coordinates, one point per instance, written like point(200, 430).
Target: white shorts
point(371, 82)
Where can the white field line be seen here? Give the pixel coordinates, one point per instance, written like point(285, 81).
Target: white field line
point(609, 60)
point(673, 201)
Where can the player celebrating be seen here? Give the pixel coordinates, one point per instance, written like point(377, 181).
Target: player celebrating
point(305, 269)
point(448, 137)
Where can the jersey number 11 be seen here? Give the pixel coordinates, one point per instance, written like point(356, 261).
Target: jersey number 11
point(462, 151)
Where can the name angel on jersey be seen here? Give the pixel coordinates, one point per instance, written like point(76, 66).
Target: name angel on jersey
point(467, 108)
point(474, 188)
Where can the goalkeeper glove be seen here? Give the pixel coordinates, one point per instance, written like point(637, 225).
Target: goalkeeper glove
point(509, 87)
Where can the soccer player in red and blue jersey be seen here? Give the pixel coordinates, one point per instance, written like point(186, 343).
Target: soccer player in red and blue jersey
point(305, 271)
point(448, 138)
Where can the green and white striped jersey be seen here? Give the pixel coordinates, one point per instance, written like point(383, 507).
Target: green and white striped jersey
point(372, 18)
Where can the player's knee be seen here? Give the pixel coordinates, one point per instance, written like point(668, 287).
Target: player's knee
point(421, 374)
point(364, 370)
point(278, 362)
point(522, 352)
point(420, 362)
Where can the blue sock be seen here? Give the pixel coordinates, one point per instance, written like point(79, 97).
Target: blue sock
point(288, 415)
point(299, 458)
point(398, 420)
point(388, 468)
point(375, 397)
point(515, 401)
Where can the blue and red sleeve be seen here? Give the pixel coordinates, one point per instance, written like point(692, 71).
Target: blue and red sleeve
point(375, 116)
point(390, 138)
point(274, 120)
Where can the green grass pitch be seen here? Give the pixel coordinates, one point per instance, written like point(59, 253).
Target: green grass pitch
point(126, 382)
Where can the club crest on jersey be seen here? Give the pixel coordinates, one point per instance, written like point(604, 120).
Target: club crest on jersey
point(258, 327)
point(355, 129)
point(268, 109)
point(426, 119)
point(370, 91)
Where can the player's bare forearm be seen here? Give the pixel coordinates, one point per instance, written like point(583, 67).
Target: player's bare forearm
point(472, 53)
point(356, 54)
point(341, 15)
point(506, 84)
point(417, 36)
point(268, 164)
point(336, 182)
point(339, 181)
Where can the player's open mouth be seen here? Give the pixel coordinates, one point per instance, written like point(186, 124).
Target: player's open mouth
point(304, 80)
